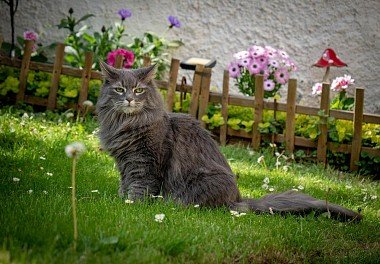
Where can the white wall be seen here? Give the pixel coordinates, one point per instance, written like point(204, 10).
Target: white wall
point(217, 29)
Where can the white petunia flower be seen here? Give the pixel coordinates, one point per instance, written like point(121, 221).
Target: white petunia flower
point(159, 218)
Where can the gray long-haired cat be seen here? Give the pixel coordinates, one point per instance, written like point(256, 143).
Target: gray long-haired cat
point(170, 154)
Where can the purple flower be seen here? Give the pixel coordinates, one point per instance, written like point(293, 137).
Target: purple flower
point(174, 22)
point(30, 35)
point(281, 75)
point(234, 70)
point(254, 67)
point(244, 62)
point(269, 85)
point(124, 13)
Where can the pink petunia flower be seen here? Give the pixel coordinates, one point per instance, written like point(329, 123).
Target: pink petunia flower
point(234, 70)
point(281, 75)
point(316, 89)
point(341, 83)
point(30, 35)
point(269, 85)
point(129, 57)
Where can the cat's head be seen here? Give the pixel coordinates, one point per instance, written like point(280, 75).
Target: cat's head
point(129, 92)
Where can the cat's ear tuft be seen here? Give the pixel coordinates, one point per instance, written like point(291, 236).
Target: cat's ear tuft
point(146, 74)
point(108, 72)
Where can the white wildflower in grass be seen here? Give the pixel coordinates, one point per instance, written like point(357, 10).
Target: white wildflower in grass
point(25, 116)
point(272, 145)
point(45, 192)
point(271, 189)
point(41, 168)
point(277, 154)
point(373, 197)
point(285, 168)
point(42, 158)
point(300, 187)
point(129, 201)
point(265, 186)
point(16, 179)
point(278, 163)
point(49, 174)
point(261, 160)
point(30, 191)
point(196, 206)
point(271, 211)
point(251, 152)
point(266, 180)
point(348, 186)
point(95, 191)
point(69, 115)
point(157, 196)
point(159, 218)
point(88, 103)
point(237, 214)
point(74, 150)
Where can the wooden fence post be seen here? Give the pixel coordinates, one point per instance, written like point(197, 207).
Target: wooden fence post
point(58, 62)
point(24, 69)
point(1, 40)
point(172, 84)
point(119, 61)
point(195, 90)
point(322, 139)
point(358, 120)
point(205, 94)
point(86, 76)
point(290, 115)
point(259, 104)
point(146, 61)
point(223, 128)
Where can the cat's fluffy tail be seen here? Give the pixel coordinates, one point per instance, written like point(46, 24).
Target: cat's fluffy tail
point(294, 202)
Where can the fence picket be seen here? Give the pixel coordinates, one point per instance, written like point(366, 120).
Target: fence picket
point(322, 139)
point(223, 128)
point(259, 105)
point(196, 90)
point(172, 84)
point(205, 94)
point(119, 61)
point(290, 115)
point(24, 69)
point(58, 62)
point(86, 76)
point(358, 120)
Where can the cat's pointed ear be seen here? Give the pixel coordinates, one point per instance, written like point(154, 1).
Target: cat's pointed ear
point(146, 74)
point(108, 72)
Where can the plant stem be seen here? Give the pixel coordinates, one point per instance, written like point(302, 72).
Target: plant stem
point(73, 203)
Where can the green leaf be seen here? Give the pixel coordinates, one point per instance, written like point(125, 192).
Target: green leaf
point(175, 43)
point(83, 18)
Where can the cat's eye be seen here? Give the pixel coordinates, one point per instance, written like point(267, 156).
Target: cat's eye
point(119, 89)
point(138, 90)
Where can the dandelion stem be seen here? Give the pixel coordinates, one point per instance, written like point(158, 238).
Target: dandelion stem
point(73, 203)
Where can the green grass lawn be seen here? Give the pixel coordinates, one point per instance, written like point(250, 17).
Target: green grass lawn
point(36, 216)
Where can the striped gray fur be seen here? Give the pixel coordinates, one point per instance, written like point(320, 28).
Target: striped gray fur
point(170, 154)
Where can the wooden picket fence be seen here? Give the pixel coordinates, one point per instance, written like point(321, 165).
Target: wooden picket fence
point(201, 96)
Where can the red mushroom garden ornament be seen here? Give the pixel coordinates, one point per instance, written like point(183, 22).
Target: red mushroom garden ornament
point(328, 59)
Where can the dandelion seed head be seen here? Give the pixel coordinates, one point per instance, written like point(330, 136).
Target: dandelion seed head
point(88, 103)
point(75, 149)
